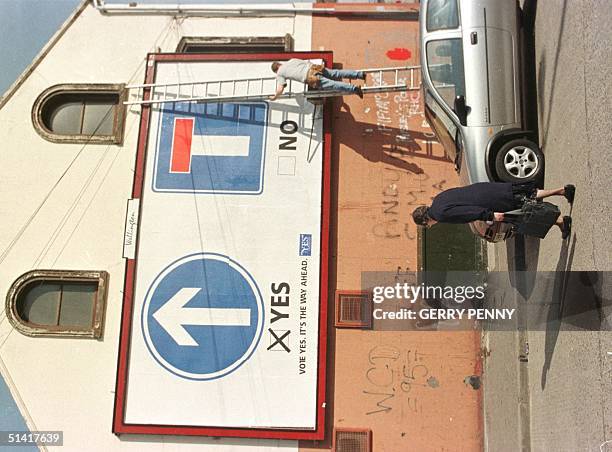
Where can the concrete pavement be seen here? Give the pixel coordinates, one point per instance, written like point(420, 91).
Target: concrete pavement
point(552, 390)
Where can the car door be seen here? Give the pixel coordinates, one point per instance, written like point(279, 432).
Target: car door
point(490, 61)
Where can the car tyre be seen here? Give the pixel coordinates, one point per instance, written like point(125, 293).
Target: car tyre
point(519, 161)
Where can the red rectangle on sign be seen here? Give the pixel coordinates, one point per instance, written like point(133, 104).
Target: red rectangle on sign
point(181, 145)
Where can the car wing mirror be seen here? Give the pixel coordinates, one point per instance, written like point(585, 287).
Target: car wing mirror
point(461, 109)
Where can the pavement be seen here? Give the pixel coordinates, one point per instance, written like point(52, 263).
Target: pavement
point(550, 388)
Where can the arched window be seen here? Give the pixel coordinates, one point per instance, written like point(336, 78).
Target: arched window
point(80, 114)
point(58, 302)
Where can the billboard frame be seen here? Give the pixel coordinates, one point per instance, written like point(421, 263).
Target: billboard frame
point(119, 426)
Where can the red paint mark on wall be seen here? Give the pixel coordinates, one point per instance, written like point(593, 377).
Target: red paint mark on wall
point(399, 53)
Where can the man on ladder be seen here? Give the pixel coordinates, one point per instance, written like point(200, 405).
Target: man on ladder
point(316, 76)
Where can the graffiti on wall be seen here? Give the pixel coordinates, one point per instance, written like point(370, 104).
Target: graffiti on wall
point(396, 378)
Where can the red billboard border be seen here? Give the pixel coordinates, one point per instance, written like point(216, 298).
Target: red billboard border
point(119, 426)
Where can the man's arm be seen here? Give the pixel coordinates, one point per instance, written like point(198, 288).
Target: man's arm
point(279, 91)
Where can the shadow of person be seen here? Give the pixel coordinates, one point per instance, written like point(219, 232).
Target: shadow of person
point(554, 317)
point(582, 299)
point(522, 258)
point(392, 146)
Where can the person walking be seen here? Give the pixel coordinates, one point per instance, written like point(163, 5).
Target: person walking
point(316, 76)
point(488, 201)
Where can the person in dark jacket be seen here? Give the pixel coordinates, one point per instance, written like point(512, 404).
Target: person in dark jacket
point(487, 201)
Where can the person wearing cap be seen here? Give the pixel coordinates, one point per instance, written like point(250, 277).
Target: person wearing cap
point(487, 201)
point(316, 76)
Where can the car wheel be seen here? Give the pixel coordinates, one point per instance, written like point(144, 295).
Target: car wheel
point(519, 161)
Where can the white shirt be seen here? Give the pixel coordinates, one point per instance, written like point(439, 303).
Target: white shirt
point(293, 69)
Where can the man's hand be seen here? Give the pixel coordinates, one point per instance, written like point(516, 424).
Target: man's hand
point(279, 91)
point(498, 216)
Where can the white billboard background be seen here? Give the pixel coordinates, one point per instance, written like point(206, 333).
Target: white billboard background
point(260, 232)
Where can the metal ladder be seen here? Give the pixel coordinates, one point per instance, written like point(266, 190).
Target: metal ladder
point(387, 79)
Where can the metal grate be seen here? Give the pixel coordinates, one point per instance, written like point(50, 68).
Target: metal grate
point(353, 310)
point(352, 440)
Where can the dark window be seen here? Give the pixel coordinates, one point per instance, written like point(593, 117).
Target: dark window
point(47, 302)
point(54, 303)
point(442, 124)
point(445, 67)
point(442, 15)
point(240, 44)
point(450, 255)
point(80, 114)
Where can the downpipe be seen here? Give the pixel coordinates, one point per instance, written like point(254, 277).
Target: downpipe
point(241, 11)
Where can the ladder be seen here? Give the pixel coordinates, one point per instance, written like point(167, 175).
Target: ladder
point(386, 79)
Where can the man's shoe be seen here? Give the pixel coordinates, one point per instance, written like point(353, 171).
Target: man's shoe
point(359, 91)
point(567, 227)
point(570, 192)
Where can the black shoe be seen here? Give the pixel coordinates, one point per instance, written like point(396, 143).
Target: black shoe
point(570, 192)
point(567, 227)
point(359, 91)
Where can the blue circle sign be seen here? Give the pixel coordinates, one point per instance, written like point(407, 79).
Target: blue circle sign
point(203, 316)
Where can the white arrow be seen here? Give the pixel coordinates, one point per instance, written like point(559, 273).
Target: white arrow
point(173, 315)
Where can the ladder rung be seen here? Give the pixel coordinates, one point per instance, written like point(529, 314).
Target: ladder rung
point(149, 85)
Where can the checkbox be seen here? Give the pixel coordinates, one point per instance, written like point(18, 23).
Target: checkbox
point(286, 166)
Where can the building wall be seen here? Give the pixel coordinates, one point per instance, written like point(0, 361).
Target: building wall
point(385, 164)
point(63, 207)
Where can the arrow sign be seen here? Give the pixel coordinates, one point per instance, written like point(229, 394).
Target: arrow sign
point(184, 146)
point(173, 315)
point(204, 151)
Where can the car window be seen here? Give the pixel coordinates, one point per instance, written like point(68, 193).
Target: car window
point(443, 125)
point(442, 15)
point(445, 68)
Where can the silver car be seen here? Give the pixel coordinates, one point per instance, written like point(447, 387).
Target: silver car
point(473, 86)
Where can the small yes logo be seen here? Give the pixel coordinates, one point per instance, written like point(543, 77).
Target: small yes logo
point(305, 244)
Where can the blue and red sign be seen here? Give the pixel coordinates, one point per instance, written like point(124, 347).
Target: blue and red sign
point(203, 316)
point(211, 148)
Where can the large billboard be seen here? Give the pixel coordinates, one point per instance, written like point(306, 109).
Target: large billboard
point(223, 329)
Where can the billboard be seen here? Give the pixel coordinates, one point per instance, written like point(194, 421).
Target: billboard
point(223, 328)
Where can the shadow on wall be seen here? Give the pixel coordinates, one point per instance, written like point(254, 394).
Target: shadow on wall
point(390, 147)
